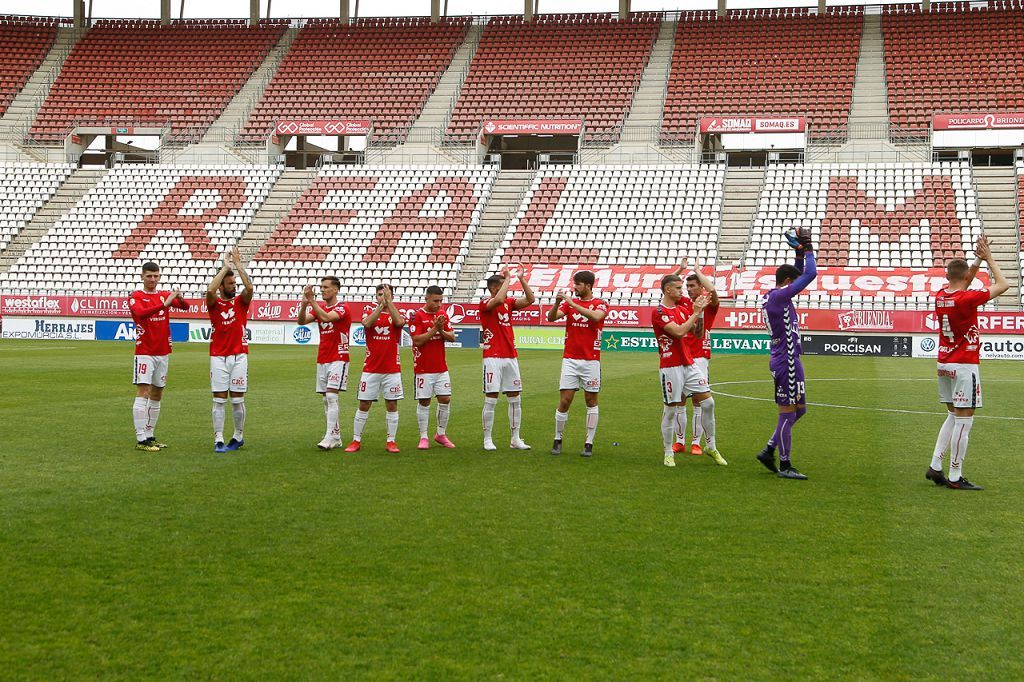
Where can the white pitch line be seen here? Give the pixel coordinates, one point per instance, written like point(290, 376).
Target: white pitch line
point(847, 407)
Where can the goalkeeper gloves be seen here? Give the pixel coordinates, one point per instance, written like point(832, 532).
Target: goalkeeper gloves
point(800, 241)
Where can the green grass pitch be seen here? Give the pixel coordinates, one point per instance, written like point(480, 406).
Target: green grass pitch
point(284, 562)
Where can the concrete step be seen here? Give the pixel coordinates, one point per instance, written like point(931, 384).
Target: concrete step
point(283, 195)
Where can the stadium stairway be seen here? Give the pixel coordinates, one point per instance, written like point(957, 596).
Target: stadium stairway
point(289, 187)
point(742, 192)
point(23, 108)
point(427, 132)
point(868, 111)
point(225, 128)
point(506, 197)
point(997, 203)
point(64, 199)
point(639, 141)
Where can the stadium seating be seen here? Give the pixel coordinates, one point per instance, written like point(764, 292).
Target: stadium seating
point(181, 217)
point(1020, 221)
point(880, 216)
point(559, 66)
point(24, 188)
point(632, 216)
point(764, 62)
point(24, 42)
point(138, 72)
point(408, 226)
point(952, 59)
point(381, 69)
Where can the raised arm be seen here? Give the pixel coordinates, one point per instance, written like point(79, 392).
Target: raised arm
point(528, 297)
point(218, 279)
point(555, 313)
point(999, 284)
point(236, 256)
point(499, 297)
point(707, 284)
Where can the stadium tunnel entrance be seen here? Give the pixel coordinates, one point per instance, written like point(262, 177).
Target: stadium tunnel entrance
point(752, 140)
point(525, 144)
point(104, 146)
point(308, 144)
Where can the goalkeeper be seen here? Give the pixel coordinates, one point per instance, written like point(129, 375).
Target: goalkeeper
point(787, 370)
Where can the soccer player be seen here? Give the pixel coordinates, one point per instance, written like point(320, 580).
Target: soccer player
point(698, 344)
point(581, 360)
point(150, 312)
point(679, 377)
point(229, 348)
point(956, 308)
point(784, 362)
point(501, 361)
point(382, 371)
point(430, 328)
point(332, 357)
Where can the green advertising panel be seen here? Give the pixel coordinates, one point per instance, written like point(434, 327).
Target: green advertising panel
point(723, 343)
point(547, 338)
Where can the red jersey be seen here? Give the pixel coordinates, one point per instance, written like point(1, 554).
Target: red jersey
point(152, 322)
point(957, 312)
point(699, 346)
point(498, 339)
point(583, 335)
point(334, 335)
point(228, 317)
point(673, 351)
point(382, 341)
point(428, 358)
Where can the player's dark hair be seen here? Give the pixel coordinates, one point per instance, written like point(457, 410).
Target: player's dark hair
point(381, 287)
point(956, 269)
point(669, 279)
point(434, 290)
point(494, 279)
point(150, 266)
point(692, 278)
point(584, 277)
point(785, 272)
point(332, 279)
point(228, 273)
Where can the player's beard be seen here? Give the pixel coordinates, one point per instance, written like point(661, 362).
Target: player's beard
point(228, 295)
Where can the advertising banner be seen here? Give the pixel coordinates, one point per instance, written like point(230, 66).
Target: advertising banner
point(255, 332)
point(550, 338)
point(978, 121)
point(108, 330)
point(629, 341)
point(992, 347)
point(724, 343)
point(863, 346)
point(534, 126)
point(332, 126)
point(752, 124)
point(465, 337)
point(49, 329)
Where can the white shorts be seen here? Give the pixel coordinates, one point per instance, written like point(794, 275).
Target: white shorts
point(960, 384)
point(701, 365)
point(373, 385)
point(229, 373)
point(681, 381)
point(430, 385)
point(331, 376)
point(501, 375)
point(151, 369)
point(577, 374)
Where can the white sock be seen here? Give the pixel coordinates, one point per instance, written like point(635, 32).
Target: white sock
point(704, 422)
point(958, 446)
point(358, 423)
point(668, 429)
point(515, 415)
point(238, 415)
point(679, 421)
point(423, 419)
point(698, 423)
point(488, 417)
point(391, 420)
point(139, 416)
point(561, 419)
point(443, 410)
point(591, 424)
point(152, 415)
point(942, 444)
point(331, 409)
point(219, 407)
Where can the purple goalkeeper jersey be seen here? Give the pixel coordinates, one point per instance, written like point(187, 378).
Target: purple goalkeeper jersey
point(780, 314)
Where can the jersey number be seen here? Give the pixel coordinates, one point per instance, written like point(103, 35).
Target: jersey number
point(947, 331)
point(490, 377)
point(362, 387)
point(142, 368)
point(421, 382)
